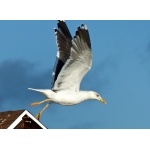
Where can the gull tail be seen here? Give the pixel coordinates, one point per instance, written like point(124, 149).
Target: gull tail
point(37, 90)
point(46, 92)
point(34, 89)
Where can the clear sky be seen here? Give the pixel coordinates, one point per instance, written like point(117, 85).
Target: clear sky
point(120, 73)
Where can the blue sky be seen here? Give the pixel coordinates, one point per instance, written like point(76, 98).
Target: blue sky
point(120, 73)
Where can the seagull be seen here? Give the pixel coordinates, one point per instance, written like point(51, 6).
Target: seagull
point(73, 61)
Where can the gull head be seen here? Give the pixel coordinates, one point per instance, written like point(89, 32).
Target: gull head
point(98, 97)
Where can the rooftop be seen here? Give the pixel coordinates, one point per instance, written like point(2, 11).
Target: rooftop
point(19, 119)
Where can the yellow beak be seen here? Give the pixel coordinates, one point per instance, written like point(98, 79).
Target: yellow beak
point(103, 101)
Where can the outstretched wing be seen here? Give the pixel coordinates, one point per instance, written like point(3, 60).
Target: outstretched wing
point(78, 64)
point(63, 42)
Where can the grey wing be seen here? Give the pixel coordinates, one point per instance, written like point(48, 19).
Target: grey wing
point(78, 64)
point(63, 42)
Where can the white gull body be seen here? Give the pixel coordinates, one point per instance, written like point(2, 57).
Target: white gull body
point(73, 61)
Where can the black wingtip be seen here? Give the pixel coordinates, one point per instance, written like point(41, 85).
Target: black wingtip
point(61, 21)
point(55, 30)
point(62, 26)
point(84, 26)
point(82, 32)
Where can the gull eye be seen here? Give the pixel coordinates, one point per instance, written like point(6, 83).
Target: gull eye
point(97, 95)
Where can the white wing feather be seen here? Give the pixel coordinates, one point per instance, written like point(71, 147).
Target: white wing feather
point(78, 64)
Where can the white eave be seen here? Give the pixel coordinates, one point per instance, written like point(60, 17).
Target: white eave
point(16, 122)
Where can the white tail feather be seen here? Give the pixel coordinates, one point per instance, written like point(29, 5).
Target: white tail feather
point(38, 90)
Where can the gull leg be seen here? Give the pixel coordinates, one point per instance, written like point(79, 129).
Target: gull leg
point(40, 113)
point(37, 103)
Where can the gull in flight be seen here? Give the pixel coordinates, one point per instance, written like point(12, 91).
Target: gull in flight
point(73, 61)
